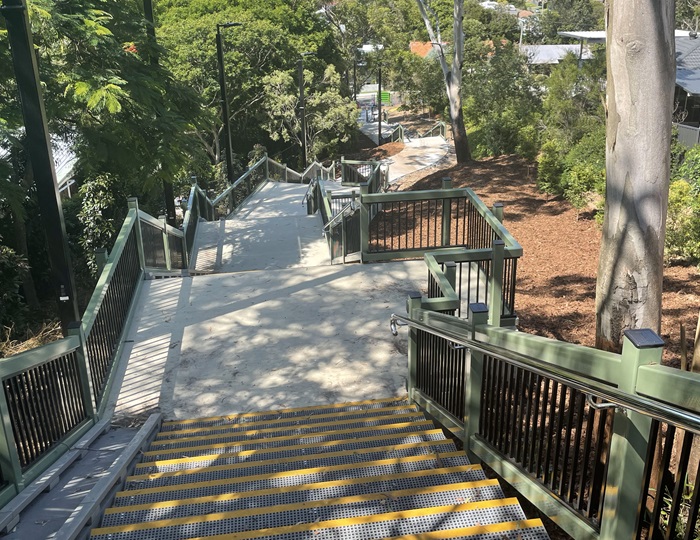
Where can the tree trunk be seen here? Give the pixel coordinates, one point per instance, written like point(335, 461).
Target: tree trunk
point(641, 75)
point(452, 74)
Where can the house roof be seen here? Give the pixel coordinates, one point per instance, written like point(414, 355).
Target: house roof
point(553, 54)
point(421, 48)
point(688, 64)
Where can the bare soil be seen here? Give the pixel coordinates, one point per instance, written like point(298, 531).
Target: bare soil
point(557, 273)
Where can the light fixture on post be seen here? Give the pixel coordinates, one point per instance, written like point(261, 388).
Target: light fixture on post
point(228, 153)
point(302, 112)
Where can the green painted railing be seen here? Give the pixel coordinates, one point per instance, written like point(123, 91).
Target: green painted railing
point(440, 129)
point(52, 395)
point(599, 442)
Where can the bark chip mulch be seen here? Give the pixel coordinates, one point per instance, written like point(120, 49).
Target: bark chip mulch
point(555, 295)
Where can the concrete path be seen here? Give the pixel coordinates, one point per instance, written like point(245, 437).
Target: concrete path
point(272, 230)
point(225, 343)
point(418, 154)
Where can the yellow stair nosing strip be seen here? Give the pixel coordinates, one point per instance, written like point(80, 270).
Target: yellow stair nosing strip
point(246, 465)
point(229, 455)
point(407, 408)
point(249, 442)
point(465, 532)
point(267, 431)
point(280, 411)
point(371, 518)
point(295, 472)
point(474, 484)
point(166, 435)
point(316, 485)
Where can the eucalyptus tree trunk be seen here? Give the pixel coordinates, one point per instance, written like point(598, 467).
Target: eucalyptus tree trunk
point(640, 82)
point(452, 73)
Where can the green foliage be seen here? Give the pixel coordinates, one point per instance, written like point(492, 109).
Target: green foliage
point(688, 168)
point(12, 307)
point(550, 166)
point(330, 117)
point(98, 225)
point(683, 223)
point(502, 103)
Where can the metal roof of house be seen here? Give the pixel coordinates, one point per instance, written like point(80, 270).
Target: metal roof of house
point(553, 54)
point(688, 64)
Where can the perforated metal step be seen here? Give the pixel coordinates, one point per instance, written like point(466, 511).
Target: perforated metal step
point(287, 413)
point(311, 457)
point(325, 489)
point(265, 435)
point(327, 439)
point(364, 470)
point(278, 472)
point(254, 504)
point(380, 516)
point(235, 424)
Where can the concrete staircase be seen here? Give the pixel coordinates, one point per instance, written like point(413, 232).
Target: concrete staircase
point(364, 470)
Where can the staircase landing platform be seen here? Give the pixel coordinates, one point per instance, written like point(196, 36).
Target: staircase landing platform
point(212, 344)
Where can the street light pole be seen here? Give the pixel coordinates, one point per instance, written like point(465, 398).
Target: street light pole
point(379, 109)
point(228, 153)
point(302, 111)
point(38, 145)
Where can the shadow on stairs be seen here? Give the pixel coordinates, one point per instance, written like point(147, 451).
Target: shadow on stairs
point(364, 470)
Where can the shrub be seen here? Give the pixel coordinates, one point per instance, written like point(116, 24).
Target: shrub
point(683, 223)
point(689, 168)
point(12, 307)
point(550, 166)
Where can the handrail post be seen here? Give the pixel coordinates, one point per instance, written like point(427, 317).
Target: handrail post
point(629, 442)
point(101, 259)
point(496, 282)
point(166, 243)
point(88, 397)
point(364, 224)
point(412, 303)
point(446, 213)
point(9, 458)
point(134, 204)
point(473, 376)
point(497, 211)
point(450, 271)
point(267, 167)
point(286, 180)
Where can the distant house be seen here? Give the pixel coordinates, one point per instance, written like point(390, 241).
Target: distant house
point(424, 49)
point(687, 96)
point(553, 54)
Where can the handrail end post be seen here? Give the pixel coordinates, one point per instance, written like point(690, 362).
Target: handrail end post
point(497, 211)
point(413, 303)
point(473, 378)
point(629, 444)
point(87, 394)
point(364, 223)
point(134, 205)
point(495, 293)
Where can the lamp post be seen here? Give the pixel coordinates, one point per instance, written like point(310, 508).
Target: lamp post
point(224, 101)
point(302, 112)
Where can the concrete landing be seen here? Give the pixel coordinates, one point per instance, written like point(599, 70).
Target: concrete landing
point(224, 343)
point(270, 231)
point(418, 154)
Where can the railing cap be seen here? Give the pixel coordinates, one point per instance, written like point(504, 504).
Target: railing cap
point(644, 338)
point(478, 307)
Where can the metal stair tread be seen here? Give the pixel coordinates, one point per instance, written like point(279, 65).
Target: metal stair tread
point(527, 529)
point(223, 422)
point(252, 457)
point(415, 418)
point(295, 422)
point(464, 514)
point(317, 474)
point(418, 478)
point(312, 439)
point(290, 413)
point(488, 489)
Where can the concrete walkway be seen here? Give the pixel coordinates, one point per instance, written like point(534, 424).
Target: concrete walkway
point(272, 230)
point(418, 153)
point(267, 339)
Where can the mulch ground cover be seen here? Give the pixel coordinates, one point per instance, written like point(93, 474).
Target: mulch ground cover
point(557, 274)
